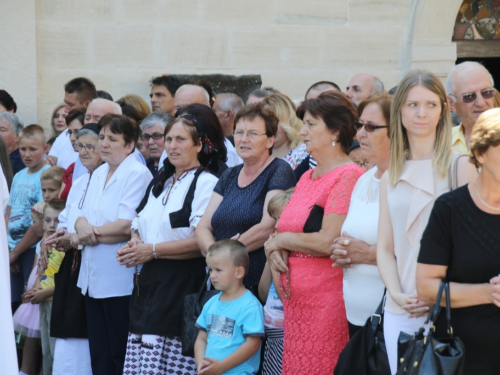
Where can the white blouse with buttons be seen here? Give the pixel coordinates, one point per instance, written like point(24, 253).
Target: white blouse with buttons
point(101, 276)
point(153, 222)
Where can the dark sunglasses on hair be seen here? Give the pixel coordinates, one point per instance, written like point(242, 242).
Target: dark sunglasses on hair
point(472, 96)
point(155, 136)
point(368, 126)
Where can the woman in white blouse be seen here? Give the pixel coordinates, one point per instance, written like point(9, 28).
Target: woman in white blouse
point(163, 241)
point(113, 194)
point(356, 249)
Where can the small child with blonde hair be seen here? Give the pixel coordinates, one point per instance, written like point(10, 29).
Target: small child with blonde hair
point(273, 308)
point(231, 323)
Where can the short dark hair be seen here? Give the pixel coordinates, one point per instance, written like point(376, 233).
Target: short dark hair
point(337, 112)
point(104, 95)
point(120, 124)
point(76, 114)
point(209, 123)
point(131, 112)
point(384, 102)
point(237, 252)
point(84, 88)
point(170, 82)
point(7, 101)
point(319, 86)
point(259, 110)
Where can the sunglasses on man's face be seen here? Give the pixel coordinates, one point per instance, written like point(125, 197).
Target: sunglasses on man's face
point(472, 96)
point(369, 127)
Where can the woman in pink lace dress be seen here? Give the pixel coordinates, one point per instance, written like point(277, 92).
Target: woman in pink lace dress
point(315, 321)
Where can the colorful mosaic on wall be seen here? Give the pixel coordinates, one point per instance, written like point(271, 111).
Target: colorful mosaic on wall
point(478, 20)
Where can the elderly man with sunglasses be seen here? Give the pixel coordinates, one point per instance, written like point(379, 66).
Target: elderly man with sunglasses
point(471, 91)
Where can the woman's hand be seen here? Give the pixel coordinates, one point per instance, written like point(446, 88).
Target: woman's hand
point(495, 286)
point(276, 256)
point(61, 241)
point(348, 251)
point(134, 253)
point(412, 305)
point(87, 234)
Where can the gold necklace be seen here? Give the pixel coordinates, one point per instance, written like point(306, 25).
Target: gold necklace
point(483, 202)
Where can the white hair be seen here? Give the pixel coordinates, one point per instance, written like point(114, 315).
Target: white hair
point(450, 87)
point(13, 120)
point(230, 101)
point(115, 107)
point(200, 89)
point(377, 86)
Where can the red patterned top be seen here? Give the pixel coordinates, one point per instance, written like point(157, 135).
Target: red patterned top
point(332, 191)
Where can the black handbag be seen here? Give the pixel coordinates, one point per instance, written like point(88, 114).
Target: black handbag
point(427, 355)
point(365, 353)
point(193, 304)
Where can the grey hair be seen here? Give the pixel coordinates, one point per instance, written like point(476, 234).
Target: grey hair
point(263, 92)
point(86, 132)
point(13, 120)
point(156, 118)
point(450, 87)
point(199, 88)
point(378, 86)
point(230, 101)
point(117, 110)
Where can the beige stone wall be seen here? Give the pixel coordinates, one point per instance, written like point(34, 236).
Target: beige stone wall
point(121, 44)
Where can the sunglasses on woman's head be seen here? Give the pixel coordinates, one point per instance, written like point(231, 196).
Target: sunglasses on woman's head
point(472, 96)
point(369, 127)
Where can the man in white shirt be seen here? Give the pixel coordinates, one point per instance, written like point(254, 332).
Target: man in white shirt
point(78, 93)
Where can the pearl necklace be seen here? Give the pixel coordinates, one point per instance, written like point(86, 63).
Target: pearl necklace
point(483, 202)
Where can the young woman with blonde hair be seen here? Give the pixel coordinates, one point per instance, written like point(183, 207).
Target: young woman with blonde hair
point(420, 158)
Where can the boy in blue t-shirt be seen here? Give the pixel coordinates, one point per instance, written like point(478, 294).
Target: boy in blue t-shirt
point(232, 322)
point(25, 192)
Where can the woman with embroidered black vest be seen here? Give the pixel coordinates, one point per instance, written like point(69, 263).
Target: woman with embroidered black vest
point(163, 242)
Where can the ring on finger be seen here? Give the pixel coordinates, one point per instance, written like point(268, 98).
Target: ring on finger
point(132, 254)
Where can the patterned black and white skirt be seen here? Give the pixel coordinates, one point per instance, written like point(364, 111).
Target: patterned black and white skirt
point(158, 355)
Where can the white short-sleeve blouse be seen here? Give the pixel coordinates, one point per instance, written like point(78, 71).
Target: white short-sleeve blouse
point(101, 276)
point(153, 222)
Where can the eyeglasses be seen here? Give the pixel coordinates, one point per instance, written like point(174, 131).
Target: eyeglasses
point(250, 134)
point(155, 136)
point(472, 96)
point(368, 126)
point(88, 147)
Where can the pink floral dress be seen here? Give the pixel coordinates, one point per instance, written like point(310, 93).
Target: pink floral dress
point(315, 319)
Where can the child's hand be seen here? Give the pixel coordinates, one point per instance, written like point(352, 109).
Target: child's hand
point(38, 296)
point(202, 365)
point(211, 367)
point(15, 267)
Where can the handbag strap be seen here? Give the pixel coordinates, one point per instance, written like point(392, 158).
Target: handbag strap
point(449, 328)
point(378, 317)
point(201, 293)
point(453, 172)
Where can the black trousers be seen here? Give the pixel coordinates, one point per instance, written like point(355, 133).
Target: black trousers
point(107, 322)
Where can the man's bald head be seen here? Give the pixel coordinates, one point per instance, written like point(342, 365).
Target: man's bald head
point(362, 86)
point(190, 94)
point(100, 107)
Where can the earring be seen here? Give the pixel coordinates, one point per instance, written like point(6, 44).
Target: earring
point(333, 143)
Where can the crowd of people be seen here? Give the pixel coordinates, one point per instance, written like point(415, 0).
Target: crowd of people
point(304, 216)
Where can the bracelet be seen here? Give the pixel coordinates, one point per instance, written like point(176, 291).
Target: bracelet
point(154, 250)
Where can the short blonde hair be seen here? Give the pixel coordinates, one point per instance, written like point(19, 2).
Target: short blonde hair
point(237, 252)
point(33, 131)
point(53, 174)
point(400, 146)
point(285, 110)
point(485, 134)
point(278, 202)
point(137, 102)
